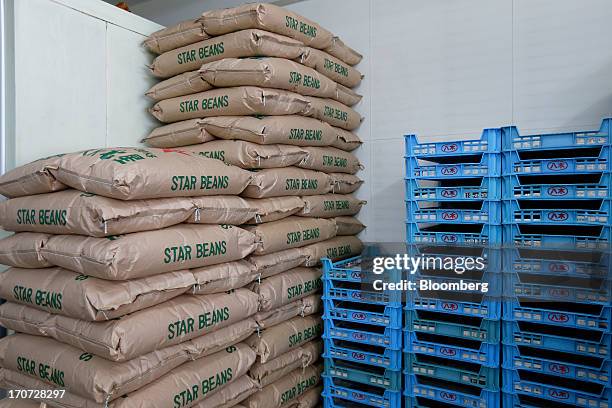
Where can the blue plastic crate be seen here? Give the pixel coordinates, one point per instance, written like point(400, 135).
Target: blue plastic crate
point(558, 263)
point(361, 394)
point(528, 401)
point(513, 140)
point(364, 333)
point(364, 374)
point(435, 211)
point(454, 394)
point(487, 165)
point(514, 383)
point(514, 164)
point(381, 315)
point(352, 292)
point(471, 351)
point(596, 186)
point(362, 353)
point(556, 214)
point(532, 359)
point(478, 188)
point(471, 328)
point(545, 236)
point(484, 234)
point(489, 142)
point(593, 344)
point(599, 317)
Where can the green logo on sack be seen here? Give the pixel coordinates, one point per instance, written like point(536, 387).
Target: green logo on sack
point(43, 371)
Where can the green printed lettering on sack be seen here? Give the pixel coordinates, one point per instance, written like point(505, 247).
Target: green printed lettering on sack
point(201, 53)
point(195, 105)
point(117, 155)
point(304, 288)
point(183, 253)
point(183, 327)
point(339, 251)
point(189, 395)
point(297, 25)
point(45, 372)
point(335, 161)
point(334, 113)
point(186, 183)
point(213, 318)
point(27, 216)
point(305, 335)
point(304, 80)
point(298, 389)
point(305, 134)
point(213, 154)
point(296, 237)
point(42, 298)
point(301, 184)
point(335, 67)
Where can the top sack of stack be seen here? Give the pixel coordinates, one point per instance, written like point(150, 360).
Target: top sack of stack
point(252, 16)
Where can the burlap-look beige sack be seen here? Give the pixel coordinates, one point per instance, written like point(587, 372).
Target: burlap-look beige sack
point(183, 33)
point(172, 322)
point(238, 101)
point(288, 181)
point(345, 140)
point(186, 83)
point(266, 17)
point(184, 133)
point(231, 394)
point(275, 208)
point(336, 248)
point(31, 178)
point(249, 155)
point(331, 67)
point(286, 391)
point(302, 307)
point(345, 183)
point(311, 398)
point(287, 287)
point(75, 212)
point(275, 369)
point(149, 253)
point(99, 379)
point(223, 277)
point(333, 112)
point(245, 43)
point(277, 262)
point(330, 205)
point(64, 292)
point(22, 250)
point(330, 160)
point(349, 226)
point(343, 52)
point(291, 232)
point(231, 210)
point(138, 173)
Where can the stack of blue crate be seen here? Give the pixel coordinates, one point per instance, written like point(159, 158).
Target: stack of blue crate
point(362, 339)
point(452, 339)
point(557, 315)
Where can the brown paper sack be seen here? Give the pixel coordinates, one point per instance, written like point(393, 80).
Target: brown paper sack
point(242, 100)
point(347, 96)
point(291, 232)
point(277, 262)
point(31, 178)
point(288, 181)
point(149, 253)
point(302, 307)
point(345, 183)
point(223, 277)
point(310, 398)
point(172, 322)
point(332, 112)
point(336, 249)
point(343, 52)
point(187, 132)
point(138, 173)
point(275, 369)
point(249, 155)
point(275, 208)
point(287, 287)
point(345, 140)
point(330, 205)
point(330, 160)
point(21, 403)
point(286, 391)
point(266, 17)
point(230, 395)
point(22, 250)
point(183, 33)
point(59, 291)
point(330, 66)
point(75, 212)
point(183, 84)
point(245, 43)
point(230, 210)
point(349, 226)
point(98, 379)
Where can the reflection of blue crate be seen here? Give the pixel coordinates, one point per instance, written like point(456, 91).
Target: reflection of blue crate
point(556, 214)
point(364, 374)
point(487, 212)
point(480, 234)
point(521, 382)
point(472, 328)
point(558, 263)
point(480, 188)
point(512, 140)
point(484, 165)
point(362, 353)
point(358, 393)
point(514, 163)
point(447, 392)
point(364, 333)
point(547, 236)
point(451, 370)
point(589, 344)
point(531, 359)
point(582, 316)
point(596, 186)
point(353, 292)
point(380, 315)
point(448, 347)
point(489, 142)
